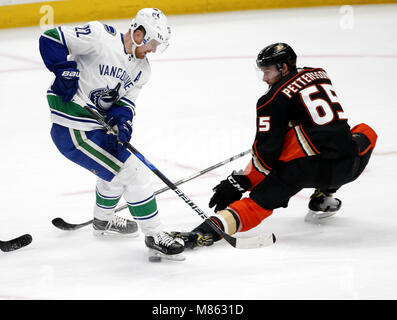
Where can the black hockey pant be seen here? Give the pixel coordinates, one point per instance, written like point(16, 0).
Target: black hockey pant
point(311, 172)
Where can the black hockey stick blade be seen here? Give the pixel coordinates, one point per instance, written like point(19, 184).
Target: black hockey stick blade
point(15, 244)
point(63, 225)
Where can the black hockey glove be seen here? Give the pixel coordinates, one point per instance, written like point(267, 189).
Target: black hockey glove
point(66, 82)
point(194, 239)
point(229, 190)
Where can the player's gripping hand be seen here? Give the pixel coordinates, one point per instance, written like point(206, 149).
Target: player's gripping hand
point(229, 190)
point(112, 143)
point(67, 79)
point(120, 117)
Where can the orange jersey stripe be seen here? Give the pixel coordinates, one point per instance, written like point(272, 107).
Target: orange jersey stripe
point(308, 140)
point(291, 148)
point(253, 175)
point(257, 155)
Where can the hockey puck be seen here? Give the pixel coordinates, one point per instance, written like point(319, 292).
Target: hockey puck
point(155, 259)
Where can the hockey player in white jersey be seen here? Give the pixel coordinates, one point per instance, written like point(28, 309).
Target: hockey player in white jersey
point(98, 66)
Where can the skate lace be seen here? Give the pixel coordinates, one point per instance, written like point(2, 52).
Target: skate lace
point(119, 221)
point(165, 239)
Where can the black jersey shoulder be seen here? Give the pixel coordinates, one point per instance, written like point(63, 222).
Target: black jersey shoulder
point(274, 89)
point(275, 93)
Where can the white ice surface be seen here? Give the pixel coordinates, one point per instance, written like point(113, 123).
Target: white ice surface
point(198, 109)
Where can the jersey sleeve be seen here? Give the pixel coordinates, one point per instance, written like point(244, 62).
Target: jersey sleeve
point(271, 127)
point(56, 44)
point(52, 48)
point(126, 102)
point(82, 40)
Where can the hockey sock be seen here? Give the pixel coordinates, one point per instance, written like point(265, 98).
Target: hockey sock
point(249, 213)
point(146, 214)
point(144, 209)
point(106, 202)
point(105, 206)
point(226, 220)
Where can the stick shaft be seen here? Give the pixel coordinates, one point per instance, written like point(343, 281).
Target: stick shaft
point(62, 224)
point(193, 176)
point(163, 178)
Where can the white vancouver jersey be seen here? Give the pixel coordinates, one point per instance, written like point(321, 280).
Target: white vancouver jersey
point(108, 75)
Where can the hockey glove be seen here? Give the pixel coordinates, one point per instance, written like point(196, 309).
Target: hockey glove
point(120, 117)
point(229, 190)
point(66, 82)
point(112, 144)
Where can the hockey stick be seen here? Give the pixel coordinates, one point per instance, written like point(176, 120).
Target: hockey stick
point(63, 225)
point(195, 175)
point(15, 244)
point(242, 243)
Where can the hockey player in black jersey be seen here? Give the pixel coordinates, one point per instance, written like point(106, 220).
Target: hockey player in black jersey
point(302, 140)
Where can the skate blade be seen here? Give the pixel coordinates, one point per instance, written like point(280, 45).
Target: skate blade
point(113, 234)
point(155, 256)
point(318, 216)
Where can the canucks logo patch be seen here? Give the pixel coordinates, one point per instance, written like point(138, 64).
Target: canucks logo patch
point(103, 98)
point(109, 29)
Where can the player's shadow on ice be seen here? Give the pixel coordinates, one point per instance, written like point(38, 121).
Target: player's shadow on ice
point(337, 232)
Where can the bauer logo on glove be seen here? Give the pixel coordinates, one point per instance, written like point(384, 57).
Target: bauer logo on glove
point(66, 82)
point(70, 75)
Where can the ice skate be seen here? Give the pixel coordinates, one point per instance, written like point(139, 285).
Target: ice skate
point(194, 239)
point(118, 226)
point(163, 246)
point(322, 205)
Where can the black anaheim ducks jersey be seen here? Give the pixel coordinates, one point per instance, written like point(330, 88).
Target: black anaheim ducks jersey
point(300, 116)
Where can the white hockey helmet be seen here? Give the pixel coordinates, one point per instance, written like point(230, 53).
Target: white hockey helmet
point(155, 24)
